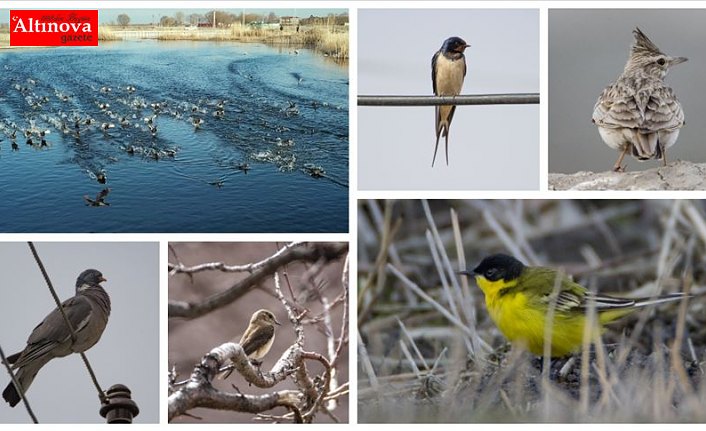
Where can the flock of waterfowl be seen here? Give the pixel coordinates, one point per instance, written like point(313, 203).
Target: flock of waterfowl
point(122, 112)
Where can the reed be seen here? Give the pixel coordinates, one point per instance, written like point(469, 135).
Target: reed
point(106, 34)
point(330, 42)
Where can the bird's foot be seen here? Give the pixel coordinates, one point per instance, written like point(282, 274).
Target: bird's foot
point(258, 364)
point(618, 168)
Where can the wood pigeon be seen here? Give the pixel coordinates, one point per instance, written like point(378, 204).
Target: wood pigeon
point(88, 313)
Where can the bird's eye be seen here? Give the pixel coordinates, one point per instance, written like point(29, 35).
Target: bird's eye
point(661, 62)
point(490, 272)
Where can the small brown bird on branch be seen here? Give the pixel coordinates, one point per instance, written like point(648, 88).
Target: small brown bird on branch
point(258, 337)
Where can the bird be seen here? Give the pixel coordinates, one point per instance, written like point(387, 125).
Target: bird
point(88, 312)
point(258, 337)
point(448, 70)
point(99, 201)
point(518, 298)
point(639, 113)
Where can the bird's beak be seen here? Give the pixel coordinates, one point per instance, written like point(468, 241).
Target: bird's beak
point(678, 60)
point(102, 279)
point(466, 273)
point(277, 323)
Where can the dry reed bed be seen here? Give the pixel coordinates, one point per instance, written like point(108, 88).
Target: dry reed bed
point(331, 41)
point(428, 351)
point(106, 34)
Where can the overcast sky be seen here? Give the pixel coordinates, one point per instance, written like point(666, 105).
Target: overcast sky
point(588, 50)
point(128, 351)
point(490, 147)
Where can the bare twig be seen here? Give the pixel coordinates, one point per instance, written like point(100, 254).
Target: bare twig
point(261, 271)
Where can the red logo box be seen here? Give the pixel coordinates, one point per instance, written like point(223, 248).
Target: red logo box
point(53, 28)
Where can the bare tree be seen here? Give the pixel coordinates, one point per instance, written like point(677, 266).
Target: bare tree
point(123, 19)
point(179, 16)
point(309, 285)
point(194, 18)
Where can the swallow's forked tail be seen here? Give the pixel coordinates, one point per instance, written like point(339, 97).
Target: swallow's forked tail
point(442, 130)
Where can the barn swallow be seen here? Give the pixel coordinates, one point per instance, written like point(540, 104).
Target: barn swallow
point(448, 69)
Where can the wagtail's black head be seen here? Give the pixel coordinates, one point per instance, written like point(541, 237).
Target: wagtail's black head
point(454, 44)
point(498, 267)
point(91, 277)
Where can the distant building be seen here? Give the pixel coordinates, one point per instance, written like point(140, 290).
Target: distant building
point(289, 21)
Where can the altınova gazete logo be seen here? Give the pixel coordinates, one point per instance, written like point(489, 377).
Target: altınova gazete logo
point(53, 28)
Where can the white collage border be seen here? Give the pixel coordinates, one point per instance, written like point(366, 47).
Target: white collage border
point(354, 195)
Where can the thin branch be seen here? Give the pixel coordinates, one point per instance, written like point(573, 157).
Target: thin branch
point(192, 310)
point(344, 320)
point(223, 267)
point(323, 391)
point(199, 392)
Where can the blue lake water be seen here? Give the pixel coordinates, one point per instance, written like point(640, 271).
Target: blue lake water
point(271, 120)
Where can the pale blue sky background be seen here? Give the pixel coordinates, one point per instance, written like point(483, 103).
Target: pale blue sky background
point(490, 147)
point(128, 352)
point(142, 16)
point(146, 16)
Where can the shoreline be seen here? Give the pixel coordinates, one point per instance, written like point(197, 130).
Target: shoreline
point(330, 42)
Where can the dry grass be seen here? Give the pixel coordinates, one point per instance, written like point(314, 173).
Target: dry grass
point(429, 352)
point(106, 34)
point(329, 41)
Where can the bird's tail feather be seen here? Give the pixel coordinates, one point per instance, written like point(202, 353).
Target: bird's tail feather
point(436, 147)
point(25, 379)
point(11, 395)
point(610, 308)
point(447, 146)
point(13, 358)
point(643, 302)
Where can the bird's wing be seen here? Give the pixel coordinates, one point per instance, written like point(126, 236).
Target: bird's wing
point(53, 330)
point(617, 108)
point(605, 302)
point(433, 84)
point(650, 109)
point(433, 70)
point(663, 111)
point(538, 285)
point(257, 339)
point(572, 297)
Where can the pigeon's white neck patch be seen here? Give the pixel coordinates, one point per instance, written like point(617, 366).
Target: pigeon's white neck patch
point(83, 287)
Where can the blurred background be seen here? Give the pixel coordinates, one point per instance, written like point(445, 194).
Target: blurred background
point(430, 352)
point(190, 340)
point(587, 52)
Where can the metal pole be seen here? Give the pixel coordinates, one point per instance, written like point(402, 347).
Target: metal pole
point(471, 99)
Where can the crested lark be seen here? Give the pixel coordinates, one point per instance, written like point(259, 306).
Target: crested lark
point(638, 113)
